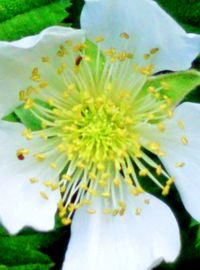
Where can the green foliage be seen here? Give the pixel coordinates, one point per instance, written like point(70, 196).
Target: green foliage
point(23, 18)
point(186, 12)
point(25, 250)
point(180, 84)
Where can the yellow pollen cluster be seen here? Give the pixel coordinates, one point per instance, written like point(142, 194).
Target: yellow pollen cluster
point(91, 126)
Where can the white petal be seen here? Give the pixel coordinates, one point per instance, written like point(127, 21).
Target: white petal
point(187, 178)
point(20, 201)
point(129, 242)
point(17, 59)
point(148, 27)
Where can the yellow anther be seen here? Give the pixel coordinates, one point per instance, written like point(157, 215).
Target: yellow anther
point(154, 50)
point(107, 211)
point(170, 181)
point(80, 165)
point(23, 152)
point(35, 75)
point(28, 104)
point(147, 56)
point(43, 135)
point(148, 70)
point(161, 153)
point(130, 55)
point(184, 140)
point(102, 183)
point(180, 164)
point(181, 124)
point(116, 182)
point(159, 170)
point(33, 180)
point(57, 112)
point(66, 221)
point(54, 165)
point(86, 202)
point(100, 167)
point(138, 211)
point(105, 176)
point(92, 192)
point(47, 183)
point(63, 189)
point(62, 213)
point(40, 157)
point(138, 154)
point(151, 90)
point(91, 211)
point(168, 101)
point(170, 114)
point(43, 84)
point(84, 186)
point(99, 39)
point(22, 95)
point(128, 180)
point(122, 204)
point(66, 177)
point(62, 51)
point(157, 95)
point(163, 107)
point(44, 124)
point(61, 69)
point(135, 192)
point(161, 127)
point(129, 121)
point(105, 195)
point(143, 172)
point(147, 201)
point(79, 47)
point(27, 133)
point(124, 35)
point(154, 146)
point(166, 190)
point(60, 205)
point(92, 176)
point(140, 189)
point(44, 195)
point(115, 212)
point(121, 56)
point(110, 52)
point(165, 85)
point(122, 211)
point(150, 116)
point(54, 186)
point(45, 59)
point(129, 170)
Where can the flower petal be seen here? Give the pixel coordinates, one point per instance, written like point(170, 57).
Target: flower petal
point(187, 178)
point(182, 158)
point(131, 242)
point(17, 59)
point(20, 201)
point(148, 27)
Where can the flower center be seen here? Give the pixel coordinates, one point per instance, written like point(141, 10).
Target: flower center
point(91, 114)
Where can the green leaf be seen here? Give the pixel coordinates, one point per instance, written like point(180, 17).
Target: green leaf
point(187, 13)
point(27, 17)
point(28, 118)
point(25, 250)
point(180, 84)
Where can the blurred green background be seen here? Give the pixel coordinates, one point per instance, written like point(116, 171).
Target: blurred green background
point(42, 251)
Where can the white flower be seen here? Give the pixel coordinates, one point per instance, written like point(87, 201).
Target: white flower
point(99, 129)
